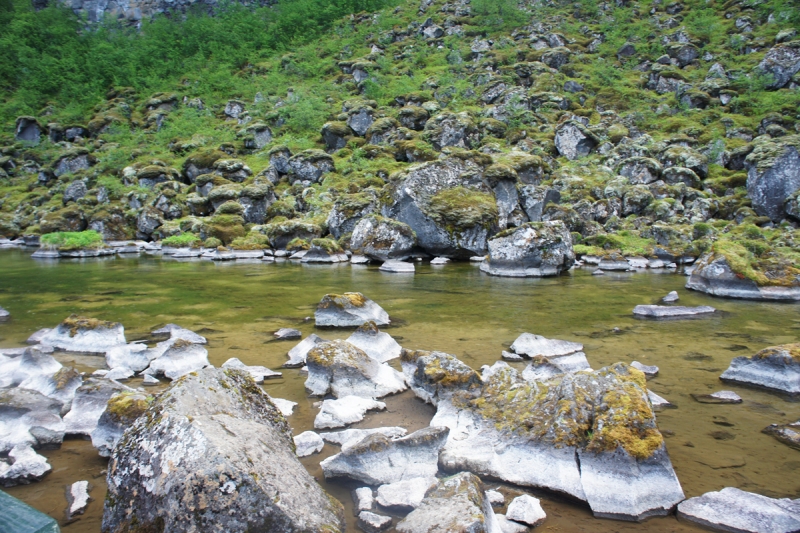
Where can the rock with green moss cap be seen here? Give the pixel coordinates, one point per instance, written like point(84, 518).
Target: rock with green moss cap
point(325, 251)
point(309, 166)
point(713, 274)
point(775, 368)
point(382, 238)
point(451, 129)
point(534, 249)
point(87, 335)
point(235, 456)
point(773, 175)
point(341, 369)
point(574, 140)
point(347, 210)
point(588, 434)
point(781, 63)
point(436, 376)
point(280, 234)
point(351, 309)
point(122, 410)
point(91, 400)
point(457, 504)
point(335, 135)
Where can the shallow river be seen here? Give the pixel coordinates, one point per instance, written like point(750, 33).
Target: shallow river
point(454, 308)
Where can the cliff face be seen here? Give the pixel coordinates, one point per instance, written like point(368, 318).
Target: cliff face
point(136, 10)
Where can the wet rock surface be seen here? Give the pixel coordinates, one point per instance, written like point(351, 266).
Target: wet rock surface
point(344, 411)
point(776, 368)
point(235, 452)
point(732, 509)
point(87, 335)
point(351, 309)
point(663, 311)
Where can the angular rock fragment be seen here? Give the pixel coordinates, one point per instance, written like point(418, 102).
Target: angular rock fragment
point(86, 335)
point(287, 334)
point(533, 345)
point(286, 407)
point(29, 418)
point(663, 311)
point(31, 364)
point(134, 356)
point(526, 509)
point(373, 523)
point(377, 344)
point(26, 467)
point(176, 332)
point(223, 440)
point(77, 498)
point(345, 410)
point(542, 368)
point(788, 434)
point(456, 503)
point(308, 443)
point(732, 509)
point(650, 371)
point(351, 309)
point(339, 368)
point(378, 460)
point(91, 400)
point(775, 368)
point(397, 267)
point(348, 437)
point(181, 358)
point(298, 354)
point(382, 238)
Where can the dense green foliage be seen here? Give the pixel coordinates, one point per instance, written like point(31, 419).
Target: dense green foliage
point(73, 240)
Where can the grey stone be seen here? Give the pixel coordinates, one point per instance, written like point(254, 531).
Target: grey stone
point(287, 334)
point(363, 499)
point(377, 460)
point(74, 192)
point(235, 451)
point(360, 120)
point(649, 371)
point(440, 261)
point(713, 275)
point(375, 343)
point(77, 498)
point(405, 495)
point(373, 523)
point(349, 437)
point(462, 377)
point(181, 358)
point(397, 267)
point(788, 434)
point(781, 62)
point(573, 140)
point(671, 297)
point(121, 373)
point(176, 332)
point(535, 345)
point(775, 368)
point(732, 509)
point(773, 175)
point(542, 368)
point(133, 356)
point(77, 334)
point(258, 373)
point(495, 498)
point(534, 249)
point(30, 364)
point(658, 402)
point(27, 129)
point(286, 407)
point(91, 400)
point(509, 526)
point(308, 443)
point(341, 369)
point(122, 409)
point(723, 396)
point(348, 310)
point(26, 466)
point(526, 509)
point(29, 418)
point(298, 354)
point(663, 311)
point(344, 411)
point(382, 238)
point(455, 504)
point(310, 165)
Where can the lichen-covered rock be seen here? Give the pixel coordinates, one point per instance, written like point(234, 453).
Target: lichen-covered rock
point(213, 453)
point(773, 175)
point(310, 165)
point(448, 204)
point(712, 274)
point(29, 418)
point(339, 368)
point(378, 460)
point(257, 372)
point(732, 509)
point(574, 140)
point(335, 135)
point(324, 251)
point(377, 344)
point(457, 504)
point(776, 368)
point(534, 249)
point(382, 238)
point(351, 309)
point(282, 233)
point(591, 435)
point(781, 62)
point(88, 335)
point(348, 210)
point(298, 354)
point(73, 161)
point(435, 376)
point(122, 409)
point(640, 170)
point(91, 400)
point(451, 129)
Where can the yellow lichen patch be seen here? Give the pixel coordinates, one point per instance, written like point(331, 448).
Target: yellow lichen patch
point(128, 406)
point(63, 376)
point(76, 322)
point(793, 350)
point(348, 299)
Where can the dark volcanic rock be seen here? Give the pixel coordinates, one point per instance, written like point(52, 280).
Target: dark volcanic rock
point(213, 454)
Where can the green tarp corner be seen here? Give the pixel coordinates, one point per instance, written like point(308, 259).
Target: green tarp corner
point(18, 517)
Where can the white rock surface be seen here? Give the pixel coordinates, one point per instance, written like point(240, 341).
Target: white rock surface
point(133, 356)
point(36, 338)
point(404, 495)
point(671, 297)
point(176, 332)
point(60, 386)
point(121, 373)
point(533, 345)
point(85, 339)
point(668, 311)
point(179, 359)
point(509, 526)
point(343, 411)
point(397, 267)
point(377, 344)
point(373, 523)
point(258, 373)
point(26, 466)
point(732, 509)
point(351, 309)
point(150, 381)
point(650, 371)
point(363, 499)
point(495, 498)
point(440, 261)
point(77, 498)
point(349, 437)
point(658, 402)
point(286, 407)
point(90, 401)
point(298, 354)
point(32, 363)
point(307, 443)
point(526, 509)
point(287, 334)
point(29, 418)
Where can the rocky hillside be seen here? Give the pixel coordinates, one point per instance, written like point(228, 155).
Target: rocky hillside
point(648, 127)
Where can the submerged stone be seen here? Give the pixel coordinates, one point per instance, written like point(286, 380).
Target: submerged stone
point(664, 311)
point(788, 434)
point(77, 498)
point(732, 509)
point(775, 368)
point(723, 396)
point(351, 309)
point(228, 465)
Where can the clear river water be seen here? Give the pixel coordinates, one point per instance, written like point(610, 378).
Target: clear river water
point(453, 308)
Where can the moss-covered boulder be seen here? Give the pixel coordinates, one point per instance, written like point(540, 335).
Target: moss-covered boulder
point(534, 249)
point(413, 117)
point(280, 234)
point(776, 368)
point(773, 175)
point(382, 238)
point(348, 209)
point(351, 309)
point(452, 129)
point(335, 135)
point(324, 251)
point(201, 162)
point(73, 161)
point(309, 166)
point(589, 434)
point(574, 140)
point(28, 130)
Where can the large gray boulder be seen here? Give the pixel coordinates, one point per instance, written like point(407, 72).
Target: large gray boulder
point(591, 435)
point(712, 274)
point(448, 204)
point(88, 335)
point(232, 469)
point(534, 249)
point(457, 504)
point(436, 376)
point(773, 174)
point(351, 309)
point(348, 210)
point(775, 368)
point(27, 129)
point(379, 460)
point(382, 238)
point(309, 166)
point(339, 368)
point(732, 509)
point(781, 62)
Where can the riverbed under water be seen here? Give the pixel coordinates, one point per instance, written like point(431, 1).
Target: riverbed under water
point(453, 308)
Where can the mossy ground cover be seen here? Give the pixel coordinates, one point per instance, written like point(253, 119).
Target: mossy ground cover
point(73, 240)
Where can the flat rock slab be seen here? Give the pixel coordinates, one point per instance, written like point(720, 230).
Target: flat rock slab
point(177, 332)
point(649, 371)
point(85, 335)
point(405, 495)
point(723, 396)
point(665, 311)
point(286, 407)
point(533, 345)
point(544, 368)
point(732, 509)
point(658, 402)
point(363, 500)
point(258, 373)
point(286, 334)
point(349, 437)
point(378, 460)
point(510, 526)
point(29, 418)
point(788, 434)
point(351, 309)
point(77, 498)
point(397, 267)
point(671, 297)
point(181, 358)
point(91, 400)
point(346, 410)
point(776, 368)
